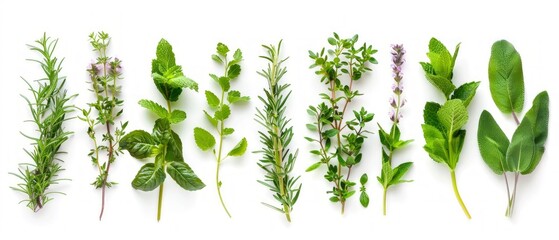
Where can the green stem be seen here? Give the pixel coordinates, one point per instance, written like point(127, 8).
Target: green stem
point(217, 181)
point(455, 187)
point(160, 202)
point(384, 201)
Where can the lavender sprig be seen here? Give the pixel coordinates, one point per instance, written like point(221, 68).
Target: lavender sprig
point(391, 141)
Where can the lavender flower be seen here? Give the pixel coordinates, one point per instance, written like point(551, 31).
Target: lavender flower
point(397, 88)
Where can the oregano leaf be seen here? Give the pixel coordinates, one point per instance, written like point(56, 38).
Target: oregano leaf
point(204, 139)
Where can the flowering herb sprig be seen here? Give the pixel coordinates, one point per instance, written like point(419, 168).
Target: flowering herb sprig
point(391, 140)
point(104, 75)
point(338, 68)
point(49, 109)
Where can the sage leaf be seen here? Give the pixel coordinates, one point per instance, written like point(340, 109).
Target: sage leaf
point(538, 116)
point(506, 80)
point(493, 143)
point(522, 147)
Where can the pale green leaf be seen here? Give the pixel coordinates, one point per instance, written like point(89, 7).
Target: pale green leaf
point(204, 139)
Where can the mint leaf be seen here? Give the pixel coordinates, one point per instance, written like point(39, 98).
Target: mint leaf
point(204, 140)
point(235, 96)
point(239, 149)
point(222, 49)
point(234, 71)
point(435, 143)
point(148, 177)
point(183, 82)
point(174, 148)
point(165, 55)
point(212, 99)
point(223, 112)
point(453, 115)
point(139, 144)
point(466, 92)
point(154, 107)
point(184, 176)
point(177, 116)
point(211, 119)
point(224, 83)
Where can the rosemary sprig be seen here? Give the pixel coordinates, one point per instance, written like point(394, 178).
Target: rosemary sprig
point(277, 161)
point(49, 108)
point(104, 74)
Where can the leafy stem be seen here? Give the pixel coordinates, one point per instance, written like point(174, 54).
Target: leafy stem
point(222, 110)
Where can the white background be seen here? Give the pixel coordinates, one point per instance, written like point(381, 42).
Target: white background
point(425, 208)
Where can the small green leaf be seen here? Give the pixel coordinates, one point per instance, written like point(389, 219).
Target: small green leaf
point(211, 119)
point(222, 49)
point(184, 176)
point(332, 41)
point(235, 96)
point(204, 139)
point(364, 199)
point(522, 147)
point(331, 133)
point(493, 143)
point(217, 59)
point(234, 71)
point(506, 80)
point(238, 55)
point(364, 178)
point(148, 177)
point(223, 112)
point(239, 149)
point(183, 82)
point(313, 167)
point(312, 127)
point(154, 107)
point(453, 115)
point(399, 172)
point(430, 115)
point(139, 144)
point(435, 143)
point(177, 116)
point(225, 84)
point(334, 199)
point(443, 84)
point(466, 92)
point(212, 99)
point(165, 55)
point(228, 131)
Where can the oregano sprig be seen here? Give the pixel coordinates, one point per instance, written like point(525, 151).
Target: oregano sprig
point(391, 141)
point(222, 110)
point(522, 154)
point(442, 130)
point(339, 67)
point(163, 143)
point(49, 107)
point(277, 161)
point(104, 75)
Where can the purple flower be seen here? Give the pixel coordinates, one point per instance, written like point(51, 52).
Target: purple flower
point(397, 88)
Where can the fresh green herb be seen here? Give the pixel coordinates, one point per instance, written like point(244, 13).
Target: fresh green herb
point(391, 141)
point(444, 136)
point(277, 161)
point(163, 143)
point(343, 59)
point(524, 151)
point(104, 74)
point(222, 110)
point(49, 109)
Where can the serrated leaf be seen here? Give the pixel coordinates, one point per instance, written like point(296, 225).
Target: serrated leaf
point(154, 107)
point(522, 148)
point(238, 55)
point(430, 115)
point(435, 143)
point(183, 82)
point(177, 116)
point(223, 112)
point(212, 99)
point(493, 143)
point(222, 49)
point(538, 115)
point(165, 55)
point(235, 96)
point(506, 80)
point(174, 148)
point(466, 92)
point(211, 119)
point(453, 115)
point(399, 172)
point(442, 83)
point(204, 139)
point(139, 144)
point(224, 83)
point(184, 176)
point(217, 58)
point(234, 71)
point(239, 149)
point(440, 57)
point(313, 166)
point(148, 177)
